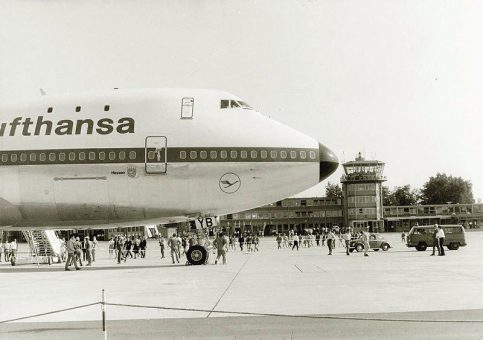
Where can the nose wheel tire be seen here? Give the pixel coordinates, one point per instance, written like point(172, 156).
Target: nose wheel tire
point(197, 255)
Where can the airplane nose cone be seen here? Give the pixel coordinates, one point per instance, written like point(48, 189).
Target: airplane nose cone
point(328, 162)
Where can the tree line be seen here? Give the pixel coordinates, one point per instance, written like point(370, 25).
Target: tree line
point(439, 189)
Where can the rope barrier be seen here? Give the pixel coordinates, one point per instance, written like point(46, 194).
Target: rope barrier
point(315, 317)
point(52, 312)
point(289, 315)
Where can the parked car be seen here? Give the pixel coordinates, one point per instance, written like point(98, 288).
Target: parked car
point(421, 237)
point(376, 242)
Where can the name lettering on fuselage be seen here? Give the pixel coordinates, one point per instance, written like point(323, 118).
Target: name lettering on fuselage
point(64, 127)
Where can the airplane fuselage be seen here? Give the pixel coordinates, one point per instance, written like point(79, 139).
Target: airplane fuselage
point(130, 157)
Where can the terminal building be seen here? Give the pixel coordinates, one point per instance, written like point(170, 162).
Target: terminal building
point(360, 207)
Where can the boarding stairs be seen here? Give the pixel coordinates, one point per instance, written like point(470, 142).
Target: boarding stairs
point(45, 246)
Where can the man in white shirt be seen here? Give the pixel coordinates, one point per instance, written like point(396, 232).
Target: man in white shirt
point(13, 248)
point(347, 240)
point(6, 250)
point(365, 240)
point(330, 241)
point(440, 235)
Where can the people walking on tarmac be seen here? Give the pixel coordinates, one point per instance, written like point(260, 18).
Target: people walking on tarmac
point(317, 238)
point(324, 237)
point(174, 246)
point(13, 249)
point(161, 246)
point(6, 250)
point(1, 250)
point(232, 242)
point(128, 248)
point(94, 247)
point(249, 241)
point(241, 241)
point(71, 256)
point(256, 241)
point(440, 235)
point(111, 247)
point(279, 241)
point(88, 250)
point(365, 240)
point(78, 250)
point(136, 246)
point(142, 247)
point(184, 244)
point(84, 249)
point(285, 243)
point(119, 245)
point(347, 240)
point(220, 245)
point(330, 241)
point(295, 241)
point(403, 237)
point(435, 241)
point(178, 245)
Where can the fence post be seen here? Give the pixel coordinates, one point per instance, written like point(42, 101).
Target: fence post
point(103, 304)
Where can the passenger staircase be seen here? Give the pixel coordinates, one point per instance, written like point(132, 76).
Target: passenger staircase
point(45, 246)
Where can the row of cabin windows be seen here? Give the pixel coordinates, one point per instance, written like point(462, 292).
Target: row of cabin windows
point(71, 156)
point(77, 109)
point(264, 154)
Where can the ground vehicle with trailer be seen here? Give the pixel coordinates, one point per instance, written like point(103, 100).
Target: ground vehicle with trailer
point(421, 237)
point(376, 242)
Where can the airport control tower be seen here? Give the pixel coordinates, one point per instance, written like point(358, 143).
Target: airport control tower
point(362, 190)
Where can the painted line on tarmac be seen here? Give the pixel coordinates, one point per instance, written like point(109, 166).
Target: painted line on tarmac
point(223, 294)
point(298, 268)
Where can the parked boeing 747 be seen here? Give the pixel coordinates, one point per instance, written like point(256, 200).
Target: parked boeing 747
point(136, 157)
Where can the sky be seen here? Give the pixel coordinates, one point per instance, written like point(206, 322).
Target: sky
point(399, 81)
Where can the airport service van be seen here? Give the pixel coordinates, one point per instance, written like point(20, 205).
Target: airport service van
point(421, 237)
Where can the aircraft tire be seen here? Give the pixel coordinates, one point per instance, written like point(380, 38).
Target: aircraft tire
point(197, 255)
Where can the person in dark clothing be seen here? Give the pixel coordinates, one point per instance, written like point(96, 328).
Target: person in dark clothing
point(142, 247)
point(435, 241)
point(241, 241)
point(317, 238)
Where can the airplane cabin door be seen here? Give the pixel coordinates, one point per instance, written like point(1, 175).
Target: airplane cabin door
point(156, 155)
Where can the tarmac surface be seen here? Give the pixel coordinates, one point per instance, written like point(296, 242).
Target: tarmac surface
point(279, 294)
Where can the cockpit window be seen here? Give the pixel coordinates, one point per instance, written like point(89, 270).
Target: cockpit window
point(245, 105)
point(224, 104)
point(231, 103)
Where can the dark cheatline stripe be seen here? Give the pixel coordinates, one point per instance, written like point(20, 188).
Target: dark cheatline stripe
point(138, 155)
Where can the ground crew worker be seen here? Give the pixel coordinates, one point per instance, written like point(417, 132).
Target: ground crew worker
point(70, 247)
point(220, 244)
point(173, 244)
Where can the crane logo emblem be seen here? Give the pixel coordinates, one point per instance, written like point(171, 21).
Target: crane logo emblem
point(230, 183)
